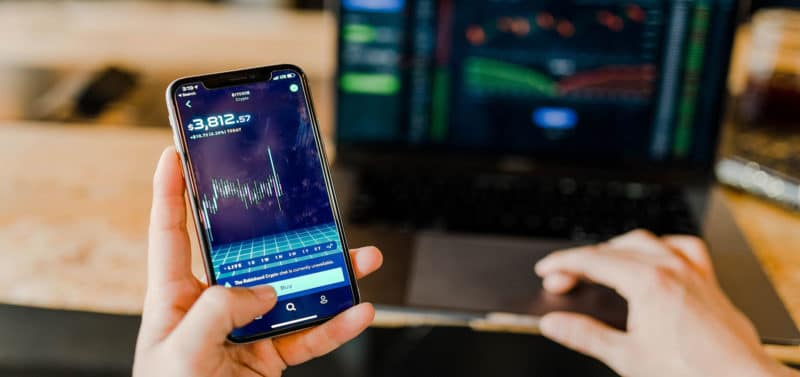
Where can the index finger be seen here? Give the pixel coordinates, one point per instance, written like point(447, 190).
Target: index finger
point(613, 270)
point(169, 250)
point(694, 250)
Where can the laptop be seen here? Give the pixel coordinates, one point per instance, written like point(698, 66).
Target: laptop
point(474, 138)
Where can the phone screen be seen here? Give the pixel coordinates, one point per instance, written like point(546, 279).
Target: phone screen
point(262, 198)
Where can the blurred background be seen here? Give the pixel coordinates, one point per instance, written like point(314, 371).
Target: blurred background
point(108, 62)
point(83, 119)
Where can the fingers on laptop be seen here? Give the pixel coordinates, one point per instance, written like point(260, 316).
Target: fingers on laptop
point(591, 263)
point(640, 240)
point(587, 335)
point(559, 283)
point(694, 250)
point(617, 263)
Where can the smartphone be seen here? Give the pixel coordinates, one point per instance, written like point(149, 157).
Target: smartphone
point(261, 193)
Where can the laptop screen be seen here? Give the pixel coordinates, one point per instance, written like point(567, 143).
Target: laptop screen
point(612, 81)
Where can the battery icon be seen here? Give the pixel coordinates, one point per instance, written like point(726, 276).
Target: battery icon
point(290, 75)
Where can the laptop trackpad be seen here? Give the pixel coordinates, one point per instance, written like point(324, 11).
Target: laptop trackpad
point(495, 274)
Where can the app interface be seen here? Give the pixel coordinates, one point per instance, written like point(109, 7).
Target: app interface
point(263, 202)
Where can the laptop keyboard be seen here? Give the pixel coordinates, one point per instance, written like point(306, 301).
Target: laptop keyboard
point(562, 208)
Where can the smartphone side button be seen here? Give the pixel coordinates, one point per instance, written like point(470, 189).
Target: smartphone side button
point(178, 145)
point(175, 139)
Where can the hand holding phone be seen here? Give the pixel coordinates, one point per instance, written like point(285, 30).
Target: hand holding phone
point(261, 193)
point(185, 324)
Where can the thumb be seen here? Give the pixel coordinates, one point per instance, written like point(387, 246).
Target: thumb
point(219, 310)
point(585, 335)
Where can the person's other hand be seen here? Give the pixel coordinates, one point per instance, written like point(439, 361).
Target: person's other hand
point(185, 323)
point(679, 321)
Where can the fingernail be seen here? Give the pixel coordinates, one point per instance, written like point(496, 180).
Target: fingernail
point(554, 283)
point(540, 267)
point(265, 292)
point(361, 251)
point(549, 326)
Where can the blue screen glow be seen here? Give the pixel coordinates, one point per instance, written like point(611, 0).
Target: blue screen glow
point(382, 6)
point(555, 118)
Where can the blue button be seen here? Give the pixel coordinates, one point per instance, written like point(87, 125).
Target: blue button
point(308, 282)
point(380, 6)
point(558, 118)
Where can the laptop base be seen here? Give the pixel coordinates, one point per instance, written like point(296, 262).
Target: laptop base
point(440, 278)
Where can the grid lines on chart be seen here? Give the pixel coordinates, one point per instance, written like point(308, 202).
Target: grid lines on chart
point(276, 248)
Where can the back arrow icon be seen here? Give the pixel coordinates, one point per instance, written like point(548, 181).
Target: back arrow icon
point(189, 104)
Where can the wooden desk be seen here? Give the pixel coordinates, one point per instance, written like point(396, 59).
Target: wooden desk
point(73, 220)
point(774, 234)
point(60, 45)
point(172, 38)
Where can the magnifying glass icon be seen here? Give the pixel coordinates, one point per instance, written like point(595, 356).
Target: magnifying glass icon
point(290, 307)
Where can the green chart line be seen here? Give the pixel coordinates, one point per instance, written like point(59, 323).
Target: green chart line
point(691, 80)
point(490, 75)
point(440, 105)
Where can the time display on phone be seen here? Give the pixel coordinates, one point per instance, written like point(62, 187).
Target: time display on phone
point(218, 120)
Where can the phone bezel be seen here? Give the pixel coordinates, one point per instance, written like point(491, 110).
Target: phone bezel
point(240, 77)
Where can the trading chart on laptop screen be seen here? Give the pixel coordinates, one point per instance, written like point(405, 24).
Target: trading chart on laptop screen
point(609, 79)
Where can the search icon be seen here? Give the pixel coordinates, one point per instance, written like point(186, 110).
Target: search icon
point(290, 307)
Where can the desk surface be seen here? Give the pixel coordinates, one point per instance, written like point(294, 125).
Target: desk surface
point(86, 34)
point(74, 218)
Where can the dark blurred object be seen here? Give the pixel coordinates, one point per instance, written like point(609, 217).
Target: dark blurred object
point(566, 208)
point(762, 4)
point(309, 4)
point(434, 352)
point(763, 150)
point(772, 94)
point(38, 342)
point(764, 162)
point(771, 101)
point(84, 95)
point(106, 87)
point(760, 180)
point(42, 343)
